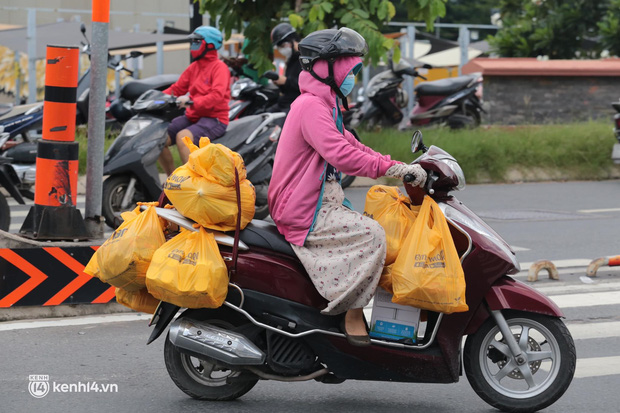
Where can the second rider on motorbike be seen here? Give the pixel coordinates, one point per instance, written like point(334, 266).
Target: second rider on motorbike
point(205, 83)
point(342, 250)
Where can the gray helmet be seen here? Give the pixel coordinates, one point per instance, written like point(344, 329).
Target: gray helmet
point(329, 45)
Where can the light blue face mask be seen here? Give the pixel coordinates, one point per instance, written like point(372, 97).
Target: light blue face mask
point(347, 84)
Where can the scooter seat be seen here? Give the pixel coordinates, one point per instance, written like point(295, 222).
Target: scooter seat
point(132, 90)
point(444, 86)
point(238, 131)
point(265, 235)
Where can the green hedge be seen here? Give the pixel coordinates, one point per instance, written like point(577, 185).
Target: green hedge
point(509, 153)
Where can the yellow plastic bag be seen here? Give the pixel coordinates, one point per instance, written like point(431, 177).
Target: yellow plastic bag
point(215, 162)
point(385, 281)
point(189, 271)
point(139, 300)
point(393, 210)
point(210, 204)
point(427, 273)
point(123, 259)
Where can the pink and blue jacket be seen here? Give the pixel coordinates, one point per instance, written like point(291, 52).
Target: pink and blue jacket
point(309, 141)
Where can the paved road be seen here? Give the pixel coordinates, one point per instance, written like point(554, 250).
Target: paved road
point(569, 223)
point(113, 353)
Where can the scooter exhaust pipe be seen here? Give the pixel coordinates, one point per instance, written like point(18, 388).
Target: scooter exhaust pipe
point(201, 339)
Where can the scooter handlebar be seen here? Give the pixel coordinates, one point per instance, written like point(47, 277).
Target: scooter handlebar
point(430, 180)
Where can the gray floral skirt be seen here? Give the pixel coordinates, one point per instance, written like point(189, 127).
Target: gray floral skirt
point(344, 253)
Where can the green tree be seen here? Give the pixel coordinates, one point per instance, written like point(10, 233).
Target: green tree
point(560, 29)
point(609, 28)
point(256, 18)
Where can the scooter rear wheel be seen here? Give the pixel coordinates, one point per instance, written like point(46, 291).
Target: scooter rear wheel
point(205, 379)
point(499, 380)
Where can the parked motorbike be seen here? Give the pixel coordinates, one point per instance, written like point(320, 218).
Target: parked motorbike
point(19, 121)
point(130, 162)
point(83, 89)
point(121, 109)
point(615, 154)
point(10, 182)
point(250, 98)
point(454, 102)
point(385, 97)
point(518, 355)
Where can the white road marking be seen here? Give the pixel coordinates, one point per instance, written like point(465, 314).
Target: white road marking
point(597, 366)
point(594, 211)
point(519, 249)
point(21, 214)
point(588, 331)
point(73, 321)
point(587, 299)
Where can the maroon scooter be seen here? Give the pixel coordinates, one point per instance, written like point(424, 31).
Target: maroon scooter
point(518, 356)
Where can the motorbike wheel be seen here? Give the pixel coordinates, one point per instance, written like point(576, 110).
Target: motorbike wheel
point(496, 377)
point(205, 379)
point(113, 192)
point(5, 213)
point(470, 119)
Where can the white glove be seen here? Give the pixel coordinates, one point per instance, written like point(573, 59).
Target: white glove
point(400, 170)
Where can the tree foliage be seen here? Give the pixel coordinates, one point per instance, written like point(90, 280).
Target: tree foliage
point(256, 18)
point(609, 28)
point(560, 29)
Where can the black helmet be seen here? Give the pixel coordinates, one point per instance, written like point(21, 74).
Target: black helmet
point(281, 32)
point(329, 45)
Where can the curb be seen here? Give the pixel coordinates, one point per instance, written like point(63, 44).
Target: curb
point(35, 312)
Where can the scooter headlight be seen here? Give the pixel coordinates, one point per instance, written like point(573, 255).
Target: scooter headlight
point(133, 126)
point(238, 86)
point(456, 168)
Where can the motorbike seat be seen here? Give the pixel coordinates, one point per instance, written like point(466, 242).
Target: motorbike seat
point(444, 86)
point(238, 131)
point(8, 110)
point(132, 90)
point(265, 235)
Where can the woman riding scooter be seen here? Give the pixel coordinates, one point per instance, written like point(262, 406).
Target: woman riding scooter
point(342, 250)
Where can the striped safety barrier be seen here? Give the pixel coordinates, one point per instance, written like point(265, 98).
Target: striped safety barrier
point(49, 276)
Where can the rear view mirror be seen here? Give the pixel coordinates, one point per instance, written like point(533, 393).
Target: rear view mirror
point(83, 28)
point(417, 143)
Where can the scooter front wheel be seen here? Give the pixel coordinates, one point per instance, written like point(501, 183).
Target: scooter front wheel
point(534, 384)
point(114, 189)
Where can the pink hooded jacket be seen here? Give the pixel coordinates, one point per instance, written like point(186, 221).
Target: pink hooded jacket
point(310, 140)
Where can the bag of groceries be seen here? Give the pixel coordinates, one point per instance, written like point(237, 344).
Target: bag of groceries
point(204, 188)
point(389, 207)
point(189, 271)
point(427, 273)
point(208, 203)
point(139, 300)
point(124, 258)
point(212, 161)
